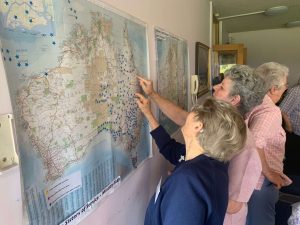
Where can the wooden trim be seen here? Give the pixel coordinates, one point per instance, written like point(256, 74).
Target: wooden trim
point(230, 48)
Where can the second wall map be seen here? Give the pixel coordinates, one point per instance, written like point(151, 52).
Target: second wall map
point(172, 72)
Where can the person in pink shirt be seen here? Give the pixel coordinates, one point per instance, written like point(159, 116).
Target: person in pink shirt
point(264, 121)
point(243, 90)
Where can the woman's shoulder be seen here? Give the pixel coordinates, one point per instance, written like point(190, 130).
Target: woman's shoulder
point(264, 111)
point(203, 167)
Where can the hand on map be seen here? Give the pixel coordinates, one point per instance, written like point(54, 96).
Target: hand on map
point(147, 85)
point(143, 103)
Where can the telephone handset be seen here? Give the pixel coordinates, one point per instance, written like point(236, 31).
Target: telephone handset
point(194, 84)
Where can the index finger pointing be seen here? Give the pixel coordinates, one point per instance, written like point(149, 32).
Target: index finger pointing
point(139, 96)
point(141, 78)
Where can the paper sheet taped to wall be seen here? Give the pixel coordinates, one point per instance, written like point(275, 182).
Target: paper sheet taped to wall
point(8, 156)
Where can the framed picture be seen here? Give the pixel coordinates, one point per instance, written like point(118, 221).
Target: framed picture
point(201, 68)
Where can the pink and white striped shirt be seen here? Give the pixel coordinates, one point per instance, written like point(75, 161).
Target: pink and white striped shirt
point(264, 121)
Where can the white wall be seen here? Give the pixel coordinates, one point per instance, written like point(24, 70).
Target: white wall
point(127, 205)
point(278, 45)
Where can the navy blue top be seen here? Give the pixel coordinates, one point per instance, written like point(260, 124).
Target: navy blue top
point(196, 193)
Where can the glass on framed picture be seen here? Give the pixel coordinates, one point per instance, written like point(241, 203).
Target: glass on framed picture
point(201, 67)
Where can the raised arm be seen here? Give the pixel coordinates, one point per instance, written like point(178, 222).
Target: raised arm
point(172, 111)
point(144, 106)
point(168, 147)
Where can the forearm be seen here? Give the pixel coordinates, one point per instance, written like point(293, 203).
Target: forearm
point(173, 151)
point(152, 121)
point(265, 167)
point(171, 110)
point(275, 177)
point(287, 122)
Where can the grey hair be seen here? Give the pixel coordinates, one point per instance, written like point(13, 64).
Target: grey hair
point(224, 130)
point(247, 85)
point(273, 74)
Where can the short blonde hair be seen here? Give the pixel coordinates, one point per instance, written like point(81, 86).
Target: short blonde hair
point(224, 130)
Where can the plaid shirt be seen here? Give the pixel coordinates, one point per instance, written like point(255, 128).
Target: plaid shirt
point(291, 106)
point(264, 121)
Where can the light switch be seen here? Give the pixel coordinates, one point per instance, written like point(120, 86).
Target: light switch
point(8, 155)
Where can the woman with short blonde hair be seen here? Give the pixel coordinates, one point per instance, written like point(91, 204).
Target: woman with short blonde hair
point(221, 137)
point(196, 193)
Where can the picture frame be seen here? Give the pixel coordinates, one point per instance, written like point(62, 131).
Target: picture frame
point(201, 67)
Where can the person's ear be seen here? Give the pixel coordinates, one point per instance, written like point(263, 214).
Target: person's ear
point(273, 90)
point(198, 127)
point(235, 100)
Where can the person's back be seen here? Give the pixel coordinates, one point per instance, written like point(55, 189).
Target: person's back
point(290, 108)
point(264, 121)
point(197, 191)
point(202, 177)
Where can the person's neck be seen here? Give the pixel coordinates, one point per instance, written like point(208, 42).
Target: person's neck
point(193, 149)
point(272, 97)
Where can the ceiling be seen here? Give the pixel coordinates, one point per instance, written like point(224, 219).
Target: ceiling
point(255, 22)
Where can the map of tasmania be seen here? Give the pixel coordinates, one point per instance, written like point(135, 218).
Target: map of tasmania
point(71, 68)
point(172, 69)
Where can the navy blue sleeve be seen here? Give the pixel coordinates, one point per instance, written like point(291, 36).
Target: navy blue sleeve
point(183, 202)
point(168, 147)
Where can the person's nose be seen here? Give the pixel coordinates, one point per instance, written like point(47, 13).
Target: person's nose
point(216, 87)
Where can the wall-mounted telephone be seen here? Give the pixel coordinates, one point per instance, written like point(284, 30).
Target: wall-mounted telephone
point(194, 88)
point(194, 84)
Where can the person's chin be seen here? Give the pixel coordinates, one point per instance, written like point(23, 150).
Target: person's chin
point(216, 97)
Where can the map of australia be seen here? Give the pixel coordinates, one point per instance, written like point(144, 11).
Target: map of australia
point(172, 72)
point(89, 92)
point(72, 79)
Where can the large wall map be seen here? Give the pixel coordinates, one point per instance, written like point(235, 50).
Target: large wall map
point(172, 72)
point(71, 67)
